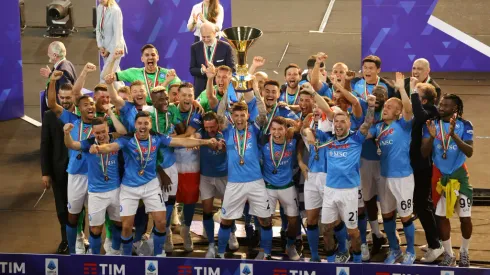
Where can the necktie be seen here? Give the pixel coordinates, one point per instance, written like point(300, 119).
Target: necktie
point(209, 53)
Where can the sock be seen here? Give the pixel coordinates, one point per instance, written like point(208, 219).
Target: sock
point(127, 245)
point(108, 227)
point(448, 247)
point(71, 234)
point(284, 219)
point(223, 237)
point(357, 257)
point(233, 227)
point(409, 230)
point(362, 225)
point(375, 228)
point(290, 241)
point(169, 205)
point(266, 239)
point(313, 238)
point(158, 241)
point(298, 228)
point(208, 224)
point(256, 223)
point(140, 223)
point(465, 244)
point(390, 229)
point(116, 237)
point(94, 243)
point(81, 222)
point(341, 235)
point(248, 217)
point(331, 256)
point(189, 210)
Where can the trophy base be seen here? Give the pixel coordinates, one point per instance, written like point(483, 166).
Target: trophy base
point(242, 83)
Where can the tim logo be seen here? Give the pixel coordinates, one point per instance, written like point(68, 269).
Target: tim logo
point(151, 267)
point(246, 269)
point(341, 270)
point(12, 268)
point(279, 271)
point(447, 272)
point(51, 266)
point(105, 269)
point(199, 270)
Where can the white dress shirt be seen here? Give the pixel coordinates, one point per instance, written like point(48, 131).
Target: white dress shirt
point(199, 8)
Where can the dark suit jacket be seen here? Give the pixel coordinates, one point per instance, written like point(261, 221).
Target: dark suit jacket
point(69, 76)
point(54, 154)
point(222, 56)
point(432, 82)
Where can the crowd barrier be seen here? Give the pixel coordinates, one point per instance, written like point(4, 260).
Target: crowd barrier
point(119, 265)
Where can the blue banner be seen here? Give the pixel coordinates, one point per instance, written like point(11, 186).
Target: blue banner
point(119, 265)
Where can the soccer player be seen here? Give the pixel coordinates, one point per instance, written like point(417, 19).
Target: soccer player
point(173, 93)
point(77, 166)
point(245, 182)
point(341, 193)
point(214, 175)
point(274, 109)
point(450, 140)
point(166, 120)
point(140, 181)
point(277, 154)
point(210, 98)
point(372, 182)
point(393, 137)
point(261, 77)
point(151, 75)
point(103, 183)
point(317, 75)
point(371, 67)
point(421, 71)
point(290, 92)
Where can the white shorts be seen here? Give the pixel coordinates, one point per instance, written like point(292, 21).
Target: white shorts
point(397, 194)
point(360, 198)
point(99, 203)
point(150, 193)
point(212, 187)
point(237, 194)
point(288, 198)
point(370, 178)
point(313, 190)
point(462, 207)
point(340, 203)
point(173, 174)
point(77, 192)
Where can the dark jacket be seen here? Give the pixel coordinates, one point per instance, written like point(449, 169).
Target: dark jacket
point(421, 114)
point(222, 56)
point(54, 154)
point(432, 82)
point(69, 76)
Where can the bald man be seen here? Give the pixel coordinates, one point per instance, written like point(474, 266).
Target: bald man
point(57, 57)
point(421, 70)
point(208, 50)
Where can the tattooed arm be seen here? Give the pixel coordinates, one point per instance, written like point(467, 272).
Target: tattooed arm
point(368, 121)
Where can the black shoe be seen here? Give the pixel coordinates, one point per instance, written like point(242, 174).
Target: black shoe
point(62, 248)
point(377, 244)
point(299, 246)
point(284, 239)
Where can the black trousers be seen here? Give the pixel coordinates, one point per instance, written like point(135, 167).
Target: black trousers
point(60, 191)
point(423, 206)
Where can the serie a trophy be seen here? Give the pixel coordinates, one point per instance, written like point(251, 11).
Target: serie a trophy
point(241, 39)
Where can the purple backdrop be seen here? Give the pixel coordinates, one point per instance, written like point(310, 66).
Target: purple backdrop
point(398, 32)
point(162, 23)
point(11, 90)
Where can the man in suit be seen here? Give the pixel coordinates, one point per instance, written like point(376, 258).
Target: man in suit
point(208, 50)
point(421, 70)
point(54, 160)
point(57, 57)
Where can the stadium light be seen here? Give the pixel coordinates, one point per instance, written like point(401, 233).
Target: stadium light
point(59, 18)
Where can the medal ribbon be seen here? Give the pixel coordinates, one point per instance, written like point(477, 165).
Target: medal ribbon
point(428, 79)
point(445, 138)
point(382, 131)
point(80, 132)
point(266, 129)
point(242, 146)
point(271, 145)
point(227, 115)
point(189, 116)
point(140, 151)
point(295, 97)
point(148, 81)
point(158, 122)
point(103, 165)
point(209, 59)
point(366, 92)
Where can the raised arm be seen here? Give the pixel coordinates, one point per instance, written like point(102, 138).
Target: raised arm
point(356, 106)
point(104, 148)
point(210, 92)
point(319, 100)
point(110, 66)
point(77, 88)
point(69, 142)
point(427, 142)
point(419, 113)
point(407, 105)
point(258, 62)
point(52, 104)
point(315, 80)
point(222, 109)
point(115, 98)
point(261, 119)
point(368, 121)
point(120, 129)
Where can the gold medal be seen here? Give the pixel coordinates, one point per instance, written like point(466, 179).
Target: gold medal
point(79, 156)
point(106, 178)
point(141, 172)
point(242, 162)
point(317, 157)
point(378, 151)
point(444, 156)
